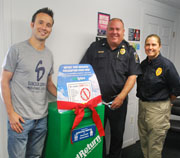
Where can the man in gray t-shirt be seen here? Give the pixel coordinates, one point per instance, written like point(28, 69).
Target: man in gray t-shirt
point(26, 77)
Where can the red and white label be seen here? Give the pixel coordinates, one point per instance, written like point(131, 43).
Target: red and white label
point(85, 94)
point(79, 92)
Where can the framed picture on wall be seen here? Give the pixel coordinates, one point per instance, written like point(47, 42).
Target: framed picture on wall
point(134, 34)
point(103, 20)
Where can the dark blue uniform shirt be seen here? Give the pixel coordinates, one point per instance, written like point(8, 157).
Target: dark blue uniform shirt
point(158, 81)
point(112, 67)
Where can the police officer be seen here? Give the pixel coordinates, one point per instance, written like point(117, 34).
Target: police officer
point(116, 65)
point(156, 87)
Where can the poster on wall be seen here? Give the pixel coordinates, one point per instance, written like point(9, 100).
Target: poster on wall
point(133, 34)
point(103, 20)
point(136, 46)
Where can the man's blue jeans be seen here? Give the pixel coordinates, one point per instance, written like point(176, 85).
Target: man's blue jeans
point(29, 143)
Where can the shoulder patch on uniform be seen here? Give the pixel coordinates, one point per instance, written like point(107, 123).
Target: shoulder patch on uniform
point(158, 71)
point(136, 57)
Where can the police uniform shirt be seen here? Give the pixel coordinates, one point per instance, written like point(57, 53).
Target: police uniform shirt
point(158, 81)
point(112, 67)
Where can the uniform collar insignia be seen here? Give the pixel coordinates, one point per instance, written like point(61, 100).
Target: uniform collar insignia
point(103, 44)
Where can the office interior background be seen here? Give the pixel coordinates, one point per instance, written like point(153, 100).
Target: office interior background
point(75, 28)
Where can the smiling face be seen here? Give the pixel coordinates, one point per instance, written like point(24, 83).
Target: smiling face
point(152, 47)
point(115, 33)
point(42, 26)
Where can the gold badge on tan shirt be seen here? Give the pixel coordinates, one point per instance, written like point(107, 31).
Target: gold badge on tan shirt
point(158, 71)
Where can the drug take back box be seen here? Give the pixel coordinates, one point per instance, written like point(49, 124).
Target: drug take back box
point(75, 121)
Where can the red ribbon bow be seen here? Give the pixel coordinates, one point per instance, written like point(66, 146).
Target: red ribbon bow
point(79, 111)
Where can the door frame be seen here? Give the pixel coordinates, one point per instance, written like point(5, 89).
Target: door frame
point(5, 42)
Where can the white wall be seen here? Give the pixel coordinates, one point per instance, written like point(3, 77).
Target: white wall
point(5, 41)
point(75, 24)
point(177, 55)
point(74, 29)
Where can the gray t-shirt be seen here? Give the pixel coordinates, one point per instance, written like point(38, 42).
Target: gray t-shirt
point(31, 69)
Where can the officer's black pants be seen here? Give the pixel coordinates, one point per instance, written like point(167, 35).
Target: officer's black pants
point(117, 125)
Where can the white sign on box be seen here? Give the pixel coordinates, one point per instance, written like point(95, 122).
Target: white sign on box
point(77, 83)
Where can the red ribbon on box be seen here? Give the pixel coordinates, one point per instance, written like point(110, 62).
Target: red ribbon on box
point(79, 112)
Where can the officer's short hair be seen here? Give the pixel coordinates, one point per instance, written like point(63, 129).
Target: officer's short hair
point(116, 19)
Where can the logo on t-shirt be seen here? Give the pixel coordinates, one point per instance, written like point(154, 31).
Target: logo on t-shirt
point(40, 70)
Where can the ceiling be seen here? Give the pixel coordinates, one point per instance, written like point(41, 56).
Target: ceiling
point(173, 3)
